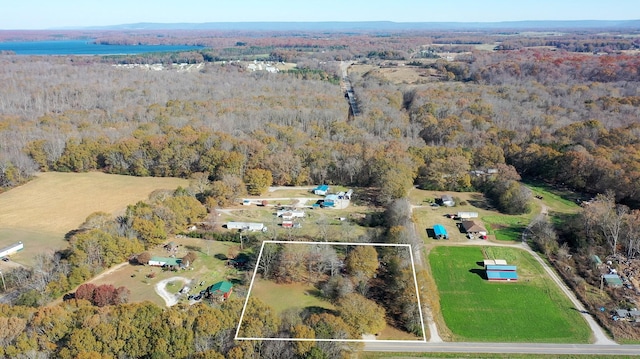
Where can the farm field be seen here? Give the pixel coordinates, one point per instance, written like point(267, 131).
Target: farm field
point(42, 211)
point(530, 310)
point(210, 267)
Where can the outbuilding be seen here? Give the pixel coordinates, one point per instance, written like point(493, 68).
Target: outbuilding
point(467, 215)
point(221, 290)
point(440, 232)
point(447, 200)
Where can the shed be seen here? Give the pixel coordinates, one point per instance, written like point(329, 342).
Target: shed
point(221, 289)
point(321, 190)
point(440, 232)
point(613, 280)
point(348, 194)
point(474, 227)
point(287, 224)
point(596, 260)
point(447, 200)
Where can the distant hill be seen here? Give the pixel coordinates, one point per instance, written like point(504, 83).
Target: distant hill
point(376, 25)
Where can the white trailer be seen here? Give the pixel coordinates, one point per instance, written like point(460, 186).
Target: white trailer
point(247, 226)
point(467, 215)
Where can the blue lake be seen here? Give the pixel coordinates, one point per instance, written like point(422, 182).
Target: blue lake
point(85, 47)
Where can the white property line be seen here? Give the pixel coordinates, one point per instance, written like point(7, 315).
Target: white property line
point(415, 281)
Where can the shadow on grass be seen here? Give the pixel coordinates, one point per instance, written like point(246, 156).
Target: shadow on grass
point(221, 257)
point(480, 201)
point(513, 233)
point(308, 311)
point(480, 272)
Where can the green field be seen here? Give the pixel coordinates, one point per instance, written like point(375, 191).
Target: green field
point(505, 227)
point(530, 310)
point(42, 211)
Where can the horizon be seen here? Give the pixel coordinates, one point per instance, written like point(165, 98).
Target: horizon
point(69, 14)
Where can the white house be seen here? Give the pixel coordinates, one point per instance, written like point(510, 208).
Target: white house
point(247, 226)
point(12, 249)
point(290, 214)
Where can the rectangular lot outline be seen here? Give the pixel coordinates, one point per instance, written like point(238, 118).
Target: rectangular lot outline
point(415, 282)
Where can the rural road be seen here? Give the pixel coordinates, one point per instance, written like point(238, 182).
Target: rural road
point(161, 288)
point(503, 348)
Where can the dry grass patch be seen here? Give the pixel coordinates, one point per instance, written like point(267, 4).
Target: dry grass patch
point(42, 211)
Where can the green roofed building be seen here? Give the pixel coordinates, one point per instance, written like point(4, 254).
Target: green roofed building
point(164, 261)
point(221, 289)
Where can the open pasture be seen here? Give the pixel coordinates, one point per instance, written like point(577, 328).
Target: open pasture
point(530, 310)
point(42, 211)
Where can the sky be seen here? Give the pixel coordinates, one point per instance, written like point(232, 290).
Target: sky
point(48, 14)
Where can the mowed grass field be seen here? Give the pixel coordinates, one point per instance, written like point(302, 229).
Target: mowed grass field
point(288, 296)
point(530, 310)
point(40, 212)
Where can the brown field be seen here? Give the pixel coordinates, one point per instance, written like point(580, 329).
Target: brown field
point(40, 212)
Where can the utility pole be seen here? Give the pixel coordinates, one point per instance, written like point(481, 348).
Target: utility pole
point(3, 284)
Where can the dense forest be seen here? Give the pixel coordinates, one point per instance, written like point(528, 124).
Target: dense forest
point(562, 109)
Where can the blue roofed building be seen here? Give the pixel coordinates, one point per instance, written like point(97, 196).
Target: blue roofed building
point(440, 232)
point(321, 190)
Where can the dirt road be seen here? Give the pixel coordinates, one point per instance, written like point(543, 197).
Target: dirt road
point(169, 298)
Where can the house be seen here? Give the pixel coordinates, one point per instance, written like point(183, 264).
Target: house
point(290, 214)
point(164, 261)
point(474, 228)
point(247, 226)
point(321, 190)
point(447, 200)
point(440, 232)
point(12, 249)
point(221, 290)
point(467, 215)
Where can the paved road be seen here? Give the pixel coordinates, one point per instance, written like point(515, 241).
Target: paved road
point(503, 348)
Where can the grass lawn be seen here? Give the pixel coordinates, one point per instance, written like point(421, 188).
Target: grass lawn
point(530, 310)
point(287, 296)
point(42, 211)
point(506, 227)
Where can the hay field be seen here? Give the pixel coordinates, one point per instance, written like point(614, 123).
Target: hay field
point(42, 211)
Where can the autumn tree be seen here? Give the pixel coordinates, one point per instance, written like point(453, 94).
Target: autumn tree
point(257, 180)
point(143, 258)
point(362, 262)
point(363, 314)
